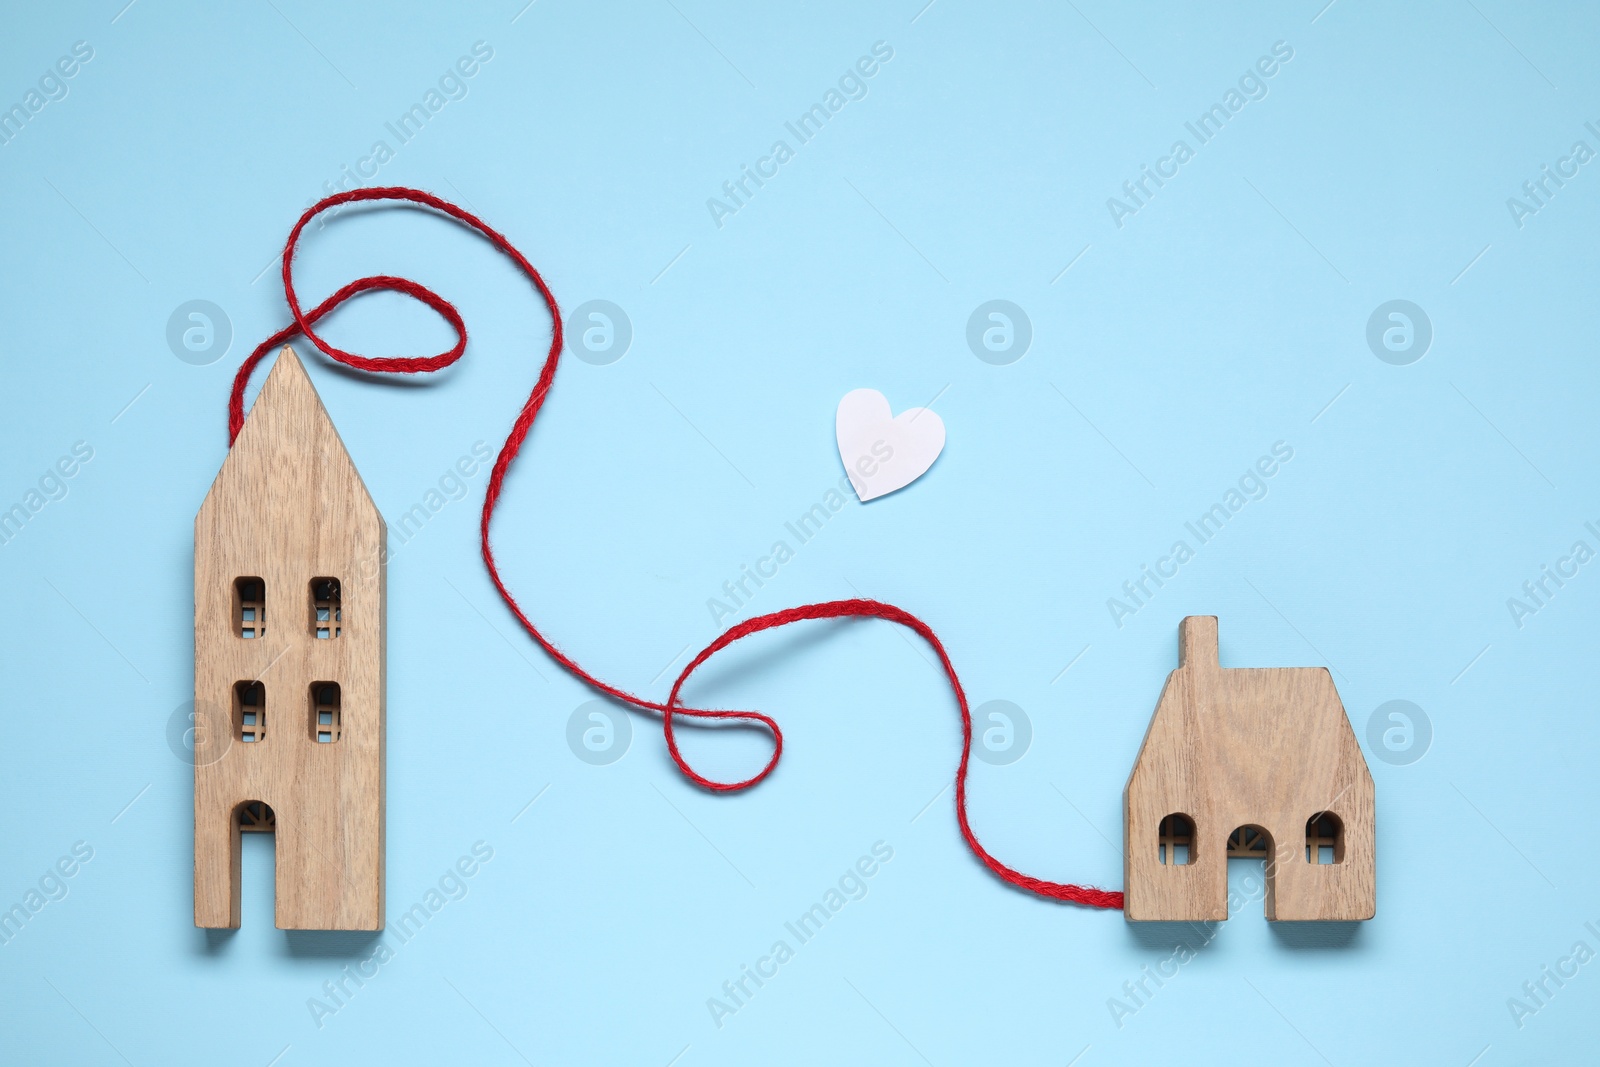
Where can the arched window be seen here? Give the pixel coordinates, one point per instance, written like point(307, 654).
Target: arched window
point(256, 817)
point(1324, 838)
point(1250, 842)
point(1175, 840)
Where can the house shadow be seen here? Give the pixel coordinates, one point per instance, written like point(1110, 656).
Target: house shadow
point(1294, 936)
point(331, 944)
point(1165, 936)
point(348, 945)
point(258, 863)
point(214, 942)
point(1245, 904)
point(1313, 936)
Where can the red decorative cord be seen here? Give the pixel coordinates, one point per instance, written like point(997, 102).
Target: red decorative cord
point(303, 324)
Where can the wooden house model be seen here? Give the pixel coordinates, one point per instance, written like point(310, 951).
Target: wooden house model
point(289, 668)
point(1248, 762)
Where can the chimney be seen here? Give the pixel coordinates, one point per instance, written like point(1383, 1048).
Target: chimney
point(1197, 643)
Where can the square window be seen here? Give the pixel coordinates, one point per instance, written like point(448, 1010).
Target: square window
point(249, 712)
point(327, 608)
point(249, 607)
point(326, 699)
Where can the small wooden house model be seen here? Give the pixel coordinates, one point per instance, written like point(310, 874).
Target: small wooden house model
point(1248, 762)
point(289, 668)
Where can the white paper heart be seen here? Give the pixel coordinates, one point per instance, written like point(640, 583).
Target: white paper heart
point(883, 452)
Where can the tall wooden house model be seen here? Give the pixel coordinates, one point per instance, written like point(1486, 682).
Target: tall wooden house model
point(289, 668)
point(1248, 762)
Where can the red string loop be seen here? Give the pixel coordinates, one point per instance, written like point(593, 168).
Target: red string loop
point(303, 325)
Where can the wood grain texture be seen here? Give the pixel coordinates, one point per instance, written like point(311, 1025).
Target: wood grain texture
point(289, 507)
point(1269, 748)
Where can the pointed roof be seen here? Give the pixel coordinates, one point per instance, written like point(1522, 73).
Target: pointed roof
point(288, 433)
point(1208, 705)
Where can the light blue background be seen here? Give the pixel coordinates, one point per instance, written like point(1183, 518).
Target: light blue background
point(1228, 314)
